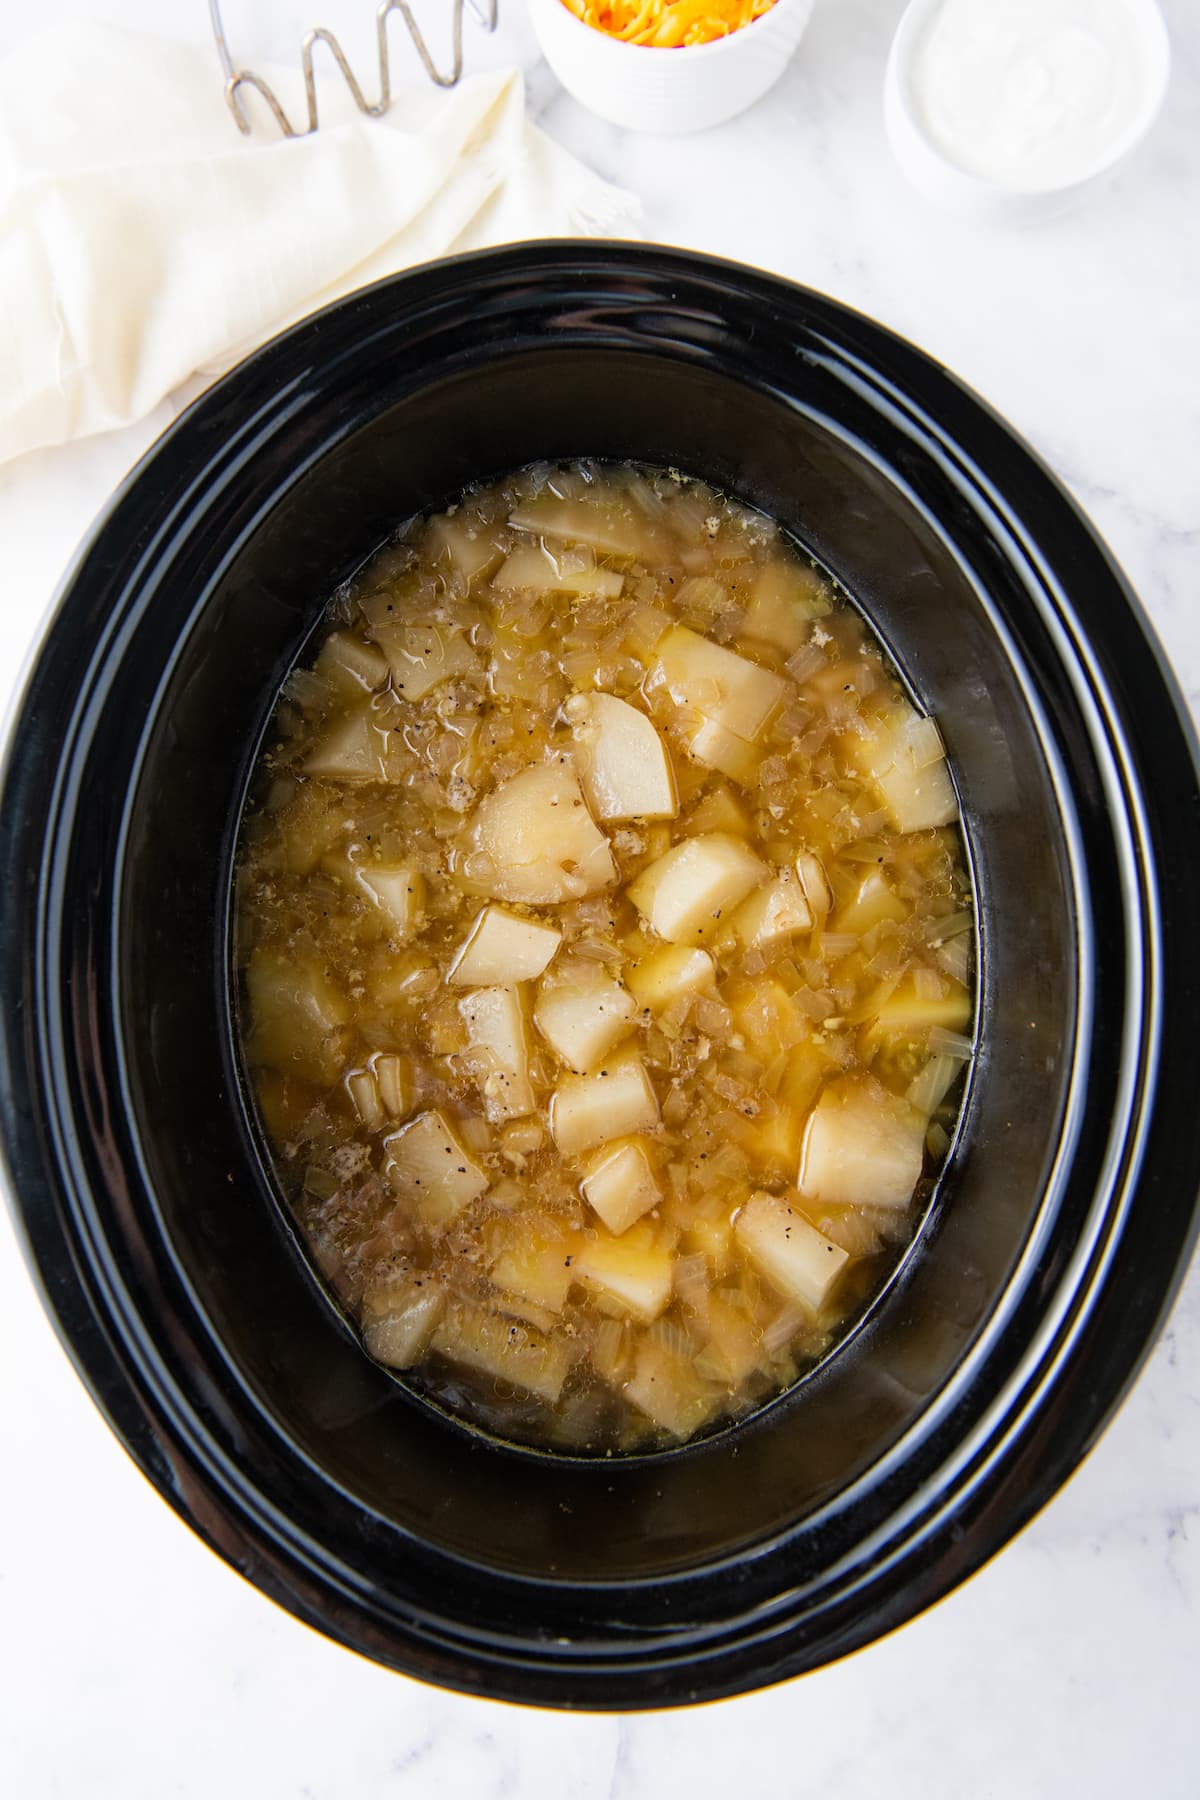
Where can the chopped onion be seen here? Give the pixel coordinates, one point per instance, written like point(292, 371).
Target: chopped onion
point(950, 1043)
point(805, 662)
point(928, 1089)
point(955, 958)
point(784, 1327)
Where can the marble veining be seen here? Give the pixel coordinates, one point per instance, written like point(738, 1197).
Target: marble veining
point(134, 1665)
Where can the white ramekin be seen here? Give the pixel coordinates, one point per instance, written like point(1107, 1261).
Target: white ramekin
point(669, 90)
point(944, 182)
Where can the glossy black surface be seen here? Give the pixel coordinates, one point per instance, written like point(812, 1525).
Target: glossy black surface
point(1064, 1222)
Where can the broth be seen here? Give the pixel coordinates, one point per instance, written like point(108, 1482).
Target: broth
point(606, 947)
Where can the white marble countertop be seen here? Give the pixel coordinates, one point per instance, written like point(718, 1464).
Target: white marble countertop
point(132, 1662)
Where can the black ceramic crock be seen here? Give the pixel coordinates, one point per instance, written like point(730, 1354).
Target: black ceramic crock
point(1063, 1224)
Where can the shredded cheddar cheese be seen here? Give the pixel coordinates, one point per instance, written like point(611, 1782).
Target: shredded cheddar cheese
point(668, 24)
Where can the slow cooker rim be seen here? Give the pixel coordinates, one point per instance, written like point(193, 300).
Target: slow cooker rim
point(687, 264)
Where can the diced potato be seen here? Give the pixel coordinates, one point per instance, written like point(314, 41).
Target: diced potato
point(397, 890)
point(905, 760)
point(495, 1026)
point(909, 1011)
point(538, 1266)
point(620, 1185)
point(623, 762)
point(733, 1347)
point(728, 689)
point(773, 1138)
point(633, 1271)
point(519, 1354)
point(423, 656)
point(720, 810)
point(717, 748)
point(862, 1147)
point(427, 1165)
point(873, 901)
point(501, 947)
point(787, 1251)
point(669, 972)
point(616, 1101)
point(468, 550)
point(683, 895)
point(785, 599)
point(774, 911)
point(396, 1081)
point(815, 884)
point(612, 529)
point(540, 839)
point(669, 1391)
point(529, 566)
point(581, 1024)
point(297, 1016)
point(533, 567)
point(351, 665)
point(399, 1320)
point(353, 748)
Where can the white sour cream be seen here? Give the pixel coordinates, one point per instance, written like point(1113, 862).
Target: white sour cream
point(1032, 94)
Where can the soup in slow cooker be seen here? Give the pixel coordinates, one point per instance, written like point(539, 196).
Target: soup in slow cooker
point(606, 953)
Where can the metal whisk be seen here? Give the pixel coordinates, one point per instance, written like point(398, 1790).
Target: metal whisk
point(484, 11)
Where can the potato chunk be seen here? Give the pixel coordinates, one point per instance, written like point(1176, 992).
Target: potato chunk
point(909, 1011)
point(633, 1271)
point(537, 1268)
point(720, 810)
point(774, 911)
point(397, 890)
point(423, 656)
point(534, 568)
point(581, 1024)
point(667, 973)
point(428, 1166)
point(784, 600)
point(399, 1319)
point(620, 1185)
point(683, 895)
point(297, 1014)
point(616, 1101)
point(540, 840)
point(501, 947)
point(904, 758)
point(468, 550)
point(862, 1147)
point(716, 748)
point(479, 1339)
point(789, 1252)
point(668, 1390)
point(619, 529)
point(353, 748)
point(495, 1026)
point(728, 689)
point(623, 762)
point(352, 666)
point(872, 901)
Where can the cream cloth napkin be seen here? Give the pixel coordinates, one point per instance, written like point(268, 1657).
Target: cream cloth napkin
point(142, 239)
